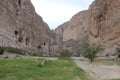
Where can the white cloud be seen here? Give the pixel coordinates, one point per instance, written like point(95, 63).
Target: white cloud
point(56, 13)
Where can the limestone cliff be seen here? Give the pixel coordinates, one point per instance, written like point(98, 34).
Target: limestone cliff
point(104, 23)
point(74, 32)
point(22, 27)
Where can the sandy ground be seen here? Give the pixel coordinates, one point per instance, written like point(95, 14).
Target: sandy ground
point(99, 72)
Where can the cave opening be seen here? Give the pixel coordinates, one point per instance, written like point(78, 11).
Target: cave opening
point(16, 32)
point(39, 47)
point(19, 2)
point(107, 55)
point(27, 40)
point(44, 44)
point(20, 39)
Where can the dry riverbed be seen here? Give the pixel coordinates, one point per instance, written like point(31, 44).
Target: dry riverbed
point(99, 72)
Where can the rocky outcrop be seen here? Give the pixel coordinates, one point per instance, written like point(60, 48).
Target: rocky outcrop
point(74, 32)
point(104, 23)
point(22, 27)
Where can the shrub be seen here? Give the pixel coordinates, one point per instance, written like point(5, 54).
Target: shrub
point(2, 49)
point(11, 50)
point(37, 53)
point(118, 51)
point(65, 53)
point(15, 50)
point(119, 56)
point(90, 51)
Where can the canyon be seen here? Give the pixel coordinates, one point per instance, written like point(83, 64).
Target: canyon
point(22, 27)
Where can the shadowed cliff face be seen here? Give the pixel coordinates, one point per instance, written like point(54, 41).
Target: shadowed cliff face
point(21, 27)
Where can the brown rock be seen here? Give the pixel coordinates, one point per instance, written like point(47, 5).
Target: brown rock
point(74, 33)
point(77, 27)
point(104, 23)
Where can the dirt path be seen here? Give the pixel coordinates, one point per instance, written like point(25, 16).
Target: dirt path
point(99, 72)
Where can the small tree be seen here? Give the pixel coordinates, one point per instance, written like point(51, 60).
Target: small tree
point(65, 53)
point(2, 49)
point(90, 51)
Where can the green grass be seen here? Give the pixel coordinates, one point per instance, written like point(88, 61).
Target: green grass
point(27, 69)
point(106, 62)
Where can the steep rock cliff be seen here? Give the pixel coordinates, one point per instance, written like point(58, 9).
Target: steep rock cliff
point(22, 27)
point(104, 23)
point(74, 33)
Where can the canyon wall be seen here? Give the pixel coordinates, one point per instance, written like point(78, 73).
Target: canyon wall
point(22, 27)
point(74, 33)
point(100, 24)
point(104, 23)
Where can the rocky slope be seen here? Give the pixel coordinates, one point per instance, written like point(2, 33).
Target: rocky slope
point(104, 23)
point(22, 27)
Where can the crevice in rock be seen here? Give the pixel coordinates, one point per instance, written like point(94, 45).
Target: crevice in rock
point(27, 41)
point(19, 2)
point(44, 44)
point(16, 32)
point(39, 47)
point(20, 39)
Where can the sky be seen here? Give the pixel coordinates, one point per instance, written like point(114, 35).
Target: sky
point(56, 12)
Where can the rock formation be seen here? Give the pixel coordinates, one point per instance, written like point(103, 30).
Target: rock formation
point(74, 32)
point(22, 27)
point(104, 23)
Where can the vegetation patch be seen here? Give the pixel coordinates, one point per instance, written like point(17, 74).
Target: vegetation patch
point(90, 51)
point(28, 69)
point(66, 53)
point(11, 50)
point(115, 79)
point(20, 51)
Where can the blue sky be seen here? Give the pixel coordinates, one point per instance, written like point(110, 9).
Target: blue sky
point(56, 12)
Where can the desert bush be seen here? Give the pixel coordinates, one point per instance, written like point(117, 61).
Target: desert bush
point(90, 51)
point(118, 51)
point(11, 50)
point(15, 50)
point(65, 53)
point(37, 53)
point(2, 49)
point(119, 56)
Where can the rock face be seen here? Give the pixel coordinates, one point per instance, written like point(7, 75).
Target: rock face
point(74, 32)
point(22, 27)
point(77, 27)
point(100, 24)
point(104, 23)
